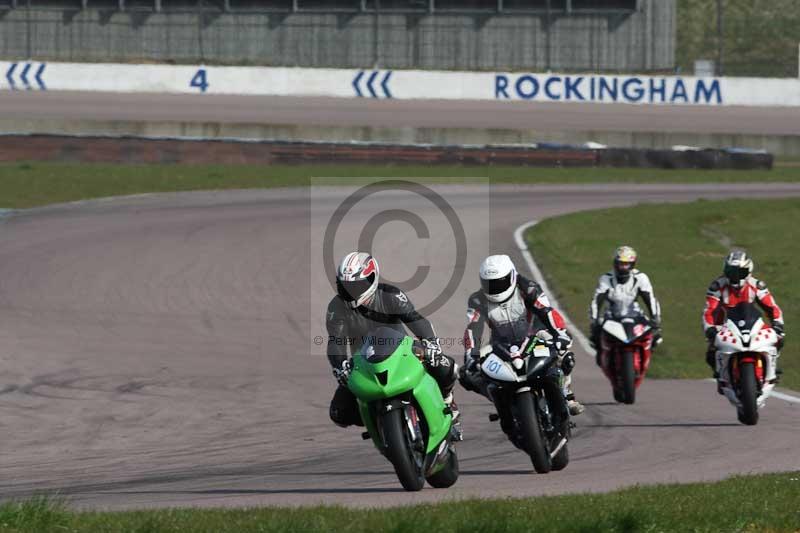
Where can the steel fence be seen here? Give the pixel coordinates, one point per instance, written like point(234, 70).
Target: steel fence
point(533, 35)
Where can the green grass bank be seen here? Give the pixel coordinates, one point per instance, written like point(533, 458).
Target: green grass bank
point(756, 503)
point(33, 184)
point(681, 247)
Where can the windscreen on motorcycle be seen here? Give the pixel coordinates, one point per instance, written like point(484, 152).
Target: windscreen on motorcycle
point(382, 342)
point(619, 310)
point(744, 315)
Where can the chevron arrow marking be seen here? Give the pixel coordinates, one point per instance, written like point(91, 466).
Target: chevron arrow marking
point(10, 75)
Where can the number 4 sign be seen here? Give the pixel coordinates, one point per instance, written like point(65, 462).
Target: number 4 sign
point(200, 80)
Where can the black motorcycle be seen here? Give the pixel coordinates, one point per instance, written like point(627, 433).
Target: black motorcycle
point(525, 382)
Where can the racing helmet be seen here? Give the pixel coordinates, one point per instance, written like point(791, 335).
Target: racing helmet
point(357, 278)
point(498, 278)
point(624, 263)
point(736, 267)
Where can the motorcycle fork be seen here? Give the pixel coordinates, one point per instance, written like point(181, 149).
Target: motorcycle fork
point(735, 372)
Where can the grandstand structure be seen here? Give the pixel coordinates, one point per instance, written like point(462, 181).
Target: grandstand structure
point(326, 6)
point(514, 35)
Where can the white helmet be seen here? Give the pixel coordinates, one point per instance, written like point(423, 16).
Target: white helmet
point(357, 278)
point(736, 267)
point(498, 278)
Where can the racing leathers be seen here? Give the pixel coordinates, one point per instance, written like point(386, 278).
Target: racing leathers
point(721, 296)
point(349, 328)
point(527, 311)
point(621, 295)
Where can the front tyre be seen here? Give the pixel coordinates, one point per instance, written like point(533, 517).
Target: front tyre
point(531, 432)
point(400, 452)
point(628, 375)
point(448, 475)
point(748, 414)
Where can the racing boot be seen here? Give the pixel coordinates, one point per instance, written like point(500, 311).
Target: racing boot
point(455, 429)
point(575, 407)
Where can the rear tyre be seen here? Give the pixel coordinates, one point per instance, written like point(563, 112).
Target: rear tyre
point(531, 432)
point(400, 453)
point(448, 475)
point(561, 459)
point(628, 374)
point(748, 414)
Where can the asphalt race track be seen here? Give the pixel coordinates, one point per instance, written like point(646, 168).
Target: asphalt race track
point(159, 350)
point(34, 105)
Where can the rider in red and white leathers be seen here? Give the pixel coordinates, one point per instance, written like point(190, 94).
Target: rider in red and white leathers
point(513, 307)
point(737, 285)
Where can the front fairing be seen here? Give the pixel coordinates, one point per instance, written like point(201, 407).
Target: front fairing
point(401, 375)
point(398, 374)
point(626, 329)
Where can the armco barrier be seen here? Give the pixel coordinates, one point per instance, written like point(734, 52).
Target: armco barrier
point(401, 84)
point(144, 150)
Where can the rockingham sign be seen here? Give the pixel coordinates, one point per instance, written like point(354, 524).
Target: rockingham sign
point(401, 84)
point(632, 90)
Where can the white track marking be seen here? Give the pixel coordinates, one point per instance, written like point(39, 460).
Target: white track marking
point(784, 396)
point(775, 394)
point(576, 333)
point(538, 278)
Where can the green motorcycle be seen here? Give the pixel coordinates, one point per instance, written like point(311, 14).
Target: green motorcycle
point(403, 410)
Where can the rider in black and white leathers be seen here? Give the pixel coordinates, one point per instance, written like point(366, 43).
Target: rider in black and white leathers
point(524, 311)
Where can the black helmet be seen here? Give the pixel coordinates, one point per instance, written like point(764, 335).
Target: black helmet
point(737, 267)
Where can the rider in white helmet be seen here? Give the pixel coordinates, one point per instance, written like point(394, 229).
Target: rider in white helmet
point(623, 286)
point(514, 307)
point(361, 305)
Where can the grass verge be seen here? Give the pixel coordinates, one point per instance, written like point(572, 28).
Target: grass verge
point(681, 247)
point(33, 184)
point(746, 503)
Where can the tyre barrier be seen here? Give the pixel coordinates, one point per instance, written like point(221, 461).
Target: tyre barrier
point(142, 150)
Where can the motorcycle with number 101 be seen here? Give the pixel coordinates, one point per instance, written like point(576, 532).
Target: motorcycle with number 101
point(526, 384)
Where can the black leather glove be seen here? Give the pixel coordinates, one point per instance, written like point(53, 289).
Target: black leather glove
point(711, 333)
point(562, 343)
point(594, 335)
point(778, 327)
point(342, 374)
point(433, 351)
point(568, 363)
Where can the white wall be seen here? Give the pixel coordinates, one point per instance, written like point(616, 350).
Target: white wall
point(404, 84)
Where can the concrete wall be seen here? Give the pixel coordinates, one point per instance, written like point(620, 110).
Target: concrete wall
point(636, 42)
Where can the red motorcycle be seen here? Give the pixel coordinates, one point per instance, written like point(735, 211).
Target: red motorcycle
point(626, 344)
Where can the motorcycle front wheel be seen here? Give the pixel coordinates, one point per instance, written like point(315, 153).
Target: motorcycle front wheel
point(748, 413)
point(531, 432)
point(400, 452)
point(628, 374)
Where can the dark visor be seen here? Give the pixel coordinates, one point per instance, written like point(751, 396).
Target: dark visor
point(351, 290)
point(496, 286)
point(624, 265)
point(735, 274)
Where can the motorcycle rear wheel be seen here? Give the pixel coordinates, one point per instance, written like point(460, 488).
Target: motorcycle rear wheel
point(447, 476)
point(531, 432)
point(400, 453)
point(748, 413)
